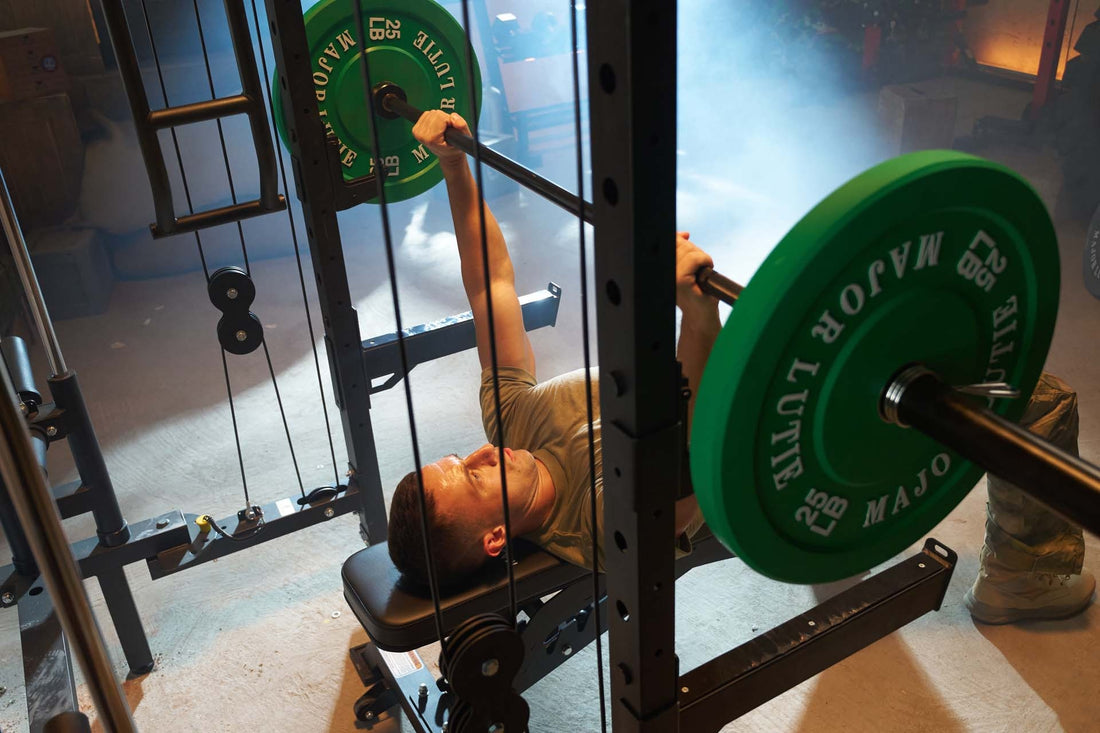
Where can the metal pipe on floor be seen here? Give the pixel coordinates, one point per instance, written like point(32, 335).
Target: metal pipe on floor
point(34, 505)
point(22, 258)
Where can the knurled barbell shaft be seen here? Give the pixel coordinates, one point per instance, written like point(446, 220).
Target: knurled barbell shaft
point(1061, 481)
point(524, 176)
point(711, 282)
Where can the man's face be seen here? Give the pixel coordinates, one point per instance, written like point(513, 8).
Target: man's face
point(471, 486)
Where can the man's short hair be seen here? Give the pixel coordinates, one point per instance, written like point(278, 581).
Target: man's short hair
point(454, 541)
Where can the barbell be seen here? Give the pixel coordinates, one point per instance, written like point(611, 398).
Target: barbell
point(832, 426)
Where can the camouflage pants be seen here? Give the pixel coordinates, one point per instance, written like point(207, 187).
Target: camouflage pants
point(1020, 533)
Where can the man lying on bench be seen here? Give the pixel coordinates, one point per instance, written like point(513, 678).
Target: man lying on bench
point(546, 458)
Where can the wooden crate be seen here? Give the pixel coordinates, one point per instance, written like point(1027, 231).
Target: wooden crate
point(30, 65)
point(42, 157)
point(73, 26)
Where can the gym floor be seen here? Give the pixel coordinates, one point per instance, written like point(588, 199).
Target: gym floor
point(260, 638)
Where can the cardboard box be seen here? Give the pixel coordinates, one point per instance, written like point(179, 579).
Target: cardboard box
point(917, 118)
point(42, 156)
point(73, 23)
point(73, 270)
point(30, 65)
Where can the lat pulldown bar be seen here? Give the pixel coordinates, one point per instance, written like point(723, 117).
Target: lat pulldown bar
point(916, 397)
point(148, 123)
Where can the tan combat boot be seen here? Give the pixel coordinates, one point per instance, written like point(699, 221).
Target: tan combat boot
point(1004, 596)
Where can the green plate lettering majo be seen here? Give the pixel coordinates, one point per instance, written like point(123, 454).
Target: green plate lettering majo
point(936, 258)
point(415, 44)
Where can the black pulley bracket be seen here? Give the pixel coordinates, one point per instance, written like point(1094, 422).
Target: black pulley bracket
point(232, 291)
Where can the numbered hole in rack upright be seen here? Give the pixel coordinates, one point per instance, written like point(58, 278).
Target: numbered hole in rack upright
point(607, 78)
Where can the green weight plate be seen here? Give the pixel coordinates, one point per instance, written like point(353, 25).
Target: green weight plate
point(935, 257)
point(415, 44)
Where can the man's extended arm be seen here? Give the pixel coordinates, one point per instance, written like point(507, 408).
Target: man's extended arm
point(699, 328)
point(513, 346)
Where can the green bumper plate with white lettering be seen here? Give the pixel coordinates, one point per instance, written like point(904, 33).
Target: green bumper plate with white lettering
point(935, 257)
point(415, 44)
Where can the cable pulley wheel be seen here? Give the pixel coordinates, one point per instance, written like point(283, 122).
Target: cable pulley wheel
point(240, 333)
point(231, 289)
point(415, 45)
point(484, 667)
point(934, 258)
point(466, 630)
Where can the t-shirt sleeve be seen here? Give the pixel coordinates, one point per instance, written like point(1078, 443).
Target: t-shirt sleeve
point(515, 382)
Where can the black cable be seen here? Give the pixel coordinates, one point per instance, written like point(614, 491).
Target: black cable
point(198, 240)
point(244, 246)
point(433, 580)
point(473, 123)
point(594, 517)
point(297, 249)
point(221, 135)
point(282, 413)
point(236, 432)
point(1068, 42)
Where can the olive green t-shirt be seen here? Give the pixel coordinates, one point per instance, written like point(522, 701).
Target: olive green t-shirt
point(550, 419)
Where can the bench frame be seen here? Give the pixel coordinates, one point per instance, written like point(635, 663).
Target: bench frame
point(554, 629)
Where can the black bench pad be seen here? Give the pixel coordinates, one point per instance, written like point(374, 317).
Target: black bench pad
point(399, 616)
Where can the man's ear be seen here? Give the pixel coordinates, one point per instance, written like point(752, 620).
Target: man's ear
point(494, 541)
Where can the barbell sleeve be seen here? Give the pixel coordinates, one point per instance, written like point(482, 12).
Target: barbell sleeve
point(390, 98)
point(918, 398)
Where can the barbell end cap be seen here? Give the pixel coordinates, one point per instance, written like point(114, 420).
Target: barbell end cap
point(383, 91)
point(889, 405)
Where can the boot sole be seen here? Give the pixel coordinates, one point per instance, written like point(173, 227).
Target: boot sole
point(996, 616)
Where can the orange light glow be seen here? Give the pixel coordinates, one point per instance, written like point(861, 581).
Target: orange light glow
point(1014, 54)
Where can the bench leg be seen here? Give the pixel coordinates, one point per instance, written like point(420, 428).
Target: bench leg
point(558, 629)
point(394, 679)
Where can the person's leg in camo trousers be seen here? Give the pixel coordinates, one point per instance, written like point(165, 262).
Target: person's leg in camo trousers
point(1031, 562)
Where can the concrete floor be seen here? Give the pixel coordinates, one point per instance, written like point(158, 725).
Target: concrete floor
point(260, 639)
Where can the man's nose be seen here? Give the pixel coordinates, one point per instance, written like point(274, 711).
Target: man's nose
point(485, 455)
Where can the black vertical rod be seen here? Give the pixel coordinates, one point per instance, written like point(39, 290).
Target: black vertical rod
point(22, 257)
point(14, 356)
point(257, 115)
point(632, 91)
point(317, 191)
point(151, 153)
point(119, 600)
point(1061, 481)
point(110, 525)
point(34, 505)
point(22, 557)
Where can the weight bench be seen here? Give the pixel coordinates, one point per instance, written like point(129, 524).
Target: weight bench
point(554, 605)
